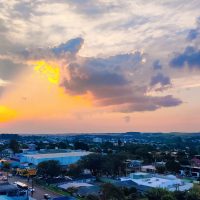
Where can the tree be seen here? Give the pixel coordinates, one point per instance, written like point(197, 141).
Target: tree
point(110, 192)
point(74, 170)
point(114, 164)
point(193, 194)
point(93, 162)
point(179, 195)
point(160, 169)
point(6, 167)
point(81, 145)
point(156, 194)
point(168, 197)
point(173, 166)
point(72, 190)
point(62, 145)
point(130, 193)
point(14, 145)
point(49, 168)
point(92, 197)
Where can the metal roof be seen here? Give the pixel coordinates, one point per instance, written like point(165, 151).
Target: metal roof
point(58, 155)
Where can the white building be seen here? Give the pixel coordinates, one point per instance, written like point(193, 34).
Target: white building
point(97, 140)
point(169, 182)
point(148, 168)
point(66, 158)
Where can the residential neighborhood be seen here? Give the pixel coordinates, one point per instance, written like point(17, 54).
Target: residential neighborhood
point(126, 165)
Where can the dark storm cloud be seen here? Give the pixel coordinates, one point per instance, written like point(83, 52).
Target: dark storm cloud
point(189, 57)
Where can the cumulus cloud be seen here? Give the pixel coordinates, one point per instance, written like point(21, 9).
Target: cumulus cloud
point(160, 82)
point(103, 67)
point(190, 58)
point(113, 82)
point(157, 65)
point(194, 33)
point(72, 46)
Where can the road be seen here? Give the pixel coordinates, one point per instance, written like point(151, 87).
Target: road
point(39, 191)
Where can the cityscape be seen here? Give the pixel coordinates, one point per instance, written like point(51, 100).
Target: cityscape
point(130, 165)
point(99, 100)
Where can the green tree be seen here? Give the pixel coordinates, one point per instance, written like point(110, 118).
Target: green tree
point(180, 195)
point(6, 167)
point(168, 197)
point(114, 164)
point(74, 170)
point(130, 193)
point(173, 166)
point(92, 197)
point(93, 162)
point(156, 194)
point(14, 146)
point(81, 145)
point(193, 194)
point(110, 192)
point(62, 145)
point(51, 168)
point(160, 169)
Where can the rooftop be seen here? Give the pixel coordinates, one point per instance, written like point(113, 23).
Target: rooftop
point(58, 155)
point(7, 187)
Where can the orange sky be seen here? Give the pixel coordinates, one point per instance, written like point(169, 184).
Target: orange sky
point(35, 104)
point(99, 66)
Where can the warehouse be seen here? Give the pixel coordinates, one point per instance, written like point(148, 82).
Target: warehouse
point(66, 158)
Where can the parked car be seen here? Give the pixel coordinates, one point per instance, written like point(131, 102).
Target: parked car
point(4, 178)
point(47, 196)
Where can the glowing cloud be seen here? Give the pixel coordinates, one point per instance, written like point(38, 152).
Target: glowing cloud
point(50, 70)
point(6, 114)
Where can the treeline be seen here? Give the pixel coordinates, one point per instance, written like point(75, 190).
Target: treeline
point(111, 192)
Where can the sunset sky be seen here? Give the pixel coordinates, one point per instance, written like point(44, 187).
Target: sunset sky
point(99, 66)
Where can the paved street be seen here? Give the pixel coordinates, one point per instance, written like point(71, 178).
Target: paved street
point(39, 191)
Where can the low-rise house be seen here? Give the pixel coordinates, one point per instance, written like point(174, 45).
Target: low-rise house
point(189, 170)
point(148, 168)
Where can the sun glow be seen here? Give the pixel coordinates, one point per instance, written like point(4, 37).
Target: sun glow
point(48, 69)
point(6, 114)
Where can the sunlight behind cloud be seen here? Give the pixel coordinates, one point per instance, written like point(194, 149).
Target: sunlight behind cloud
point(50, 70)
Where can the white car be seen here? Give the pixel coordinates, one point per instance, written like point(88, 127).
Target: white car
point(47, 196)
point(4, 178)
point(31, 189)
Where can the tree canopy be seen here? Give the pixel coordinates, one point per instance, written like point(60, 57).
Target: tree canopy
point(49, 168)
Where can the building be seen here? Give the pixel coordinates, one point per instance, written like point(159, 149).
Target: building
point(97, 140)
point(148, 168)
point(188, 170)
point(66, 158)
point(168, 182)
point(12, 192)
